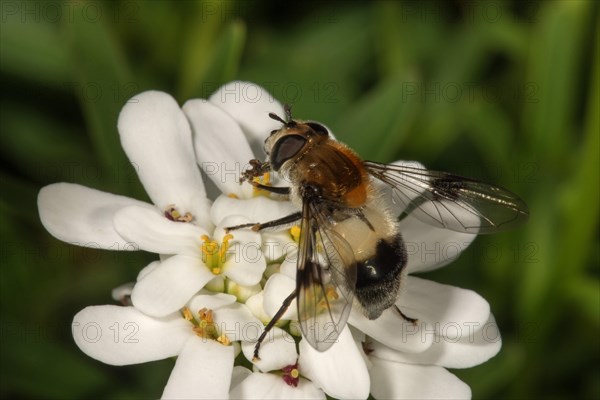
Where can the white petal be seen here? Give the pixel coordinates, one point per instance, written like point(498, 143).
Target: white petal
point(289, 266)
point(241, 292)
point(221, 148)
point(170, 286)
point(277, 351)
point(158, 141)
point(340, 371)
point(237, 322)
point(429, 247)
point(123, 335)
point(276, 245)
point(391, 380)
point(277, 289)
point(82, 216)
point(245, 262)
point(212, 301)
point(249, 105)
point(256, 209)
point(248, 268)
point(448, 310)
point(149, 268)
point(256, 306)
point(122, 293)
point(151, 231)
point(470, 350)
point(239, 374)
point(261, 386)
point(392, 330)
point(202, 371)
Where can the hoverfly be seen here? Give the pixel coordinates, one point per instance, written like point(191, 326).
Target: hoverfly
point(350, 248)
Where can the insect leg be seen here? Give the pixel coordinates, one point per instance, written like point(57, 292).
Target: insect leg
point(273, 189)
point(288, 219)
point(284, 306)
point(406, 318)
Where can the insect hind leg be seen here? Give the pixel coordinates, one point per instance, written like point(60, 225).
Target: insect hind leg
point(284, 306)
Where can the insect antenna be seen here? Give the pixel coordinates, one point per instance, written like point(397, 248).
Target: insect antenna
point(288, 115)
point(277, 118)
point(289, 122)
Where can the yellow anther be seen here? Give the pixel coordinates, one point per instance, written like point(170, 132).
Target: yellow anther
point(295, 232)
point(173, 214)
point(213, 254)
point(295, 373)
point(331, 293)
point(187, 314)
point(233, 196)
point(206, 315)
point(225, 245)
point(224, 340)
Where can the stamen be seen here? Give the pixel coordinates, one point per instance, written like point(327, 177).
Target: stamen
point(173, 214)
point(187, 314)
point(233, 196)
point(291, 375)
point(204, 325)
point(213, 254)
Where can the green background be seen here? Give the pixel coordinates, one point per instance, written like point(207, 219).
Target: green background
point(502, 91)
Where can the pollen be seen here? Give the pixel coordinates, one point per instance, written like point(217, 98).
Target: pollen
point(214, 254)
point(295, 233)
point(233, 196)
point(173, 214)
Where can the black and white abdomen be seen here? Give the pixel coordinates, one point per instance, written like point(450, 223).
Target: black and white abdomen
point(380, 255)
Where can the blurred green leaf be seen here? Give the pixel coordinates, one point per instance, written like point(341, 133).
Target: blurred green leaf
point(31, 45)
point(102, 82)
point(40, 146)
point(381, 121)
point(553, 70)
point(318, 64)
point(19, 199)
point(211, 52)
point(585, 295)
point(490, 129)
point(49, 365)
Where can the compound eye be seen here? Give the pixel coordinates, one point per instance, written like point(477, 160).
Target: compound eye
point(318, 128)
point(286, 148)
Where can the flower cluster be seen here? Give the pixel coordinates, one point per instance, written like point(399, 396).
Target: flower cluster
point(209, 294)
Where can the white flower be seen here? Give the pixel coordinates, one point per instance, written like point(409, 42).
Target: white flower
point(201, 337)
point(157, 137)
point(386, 358)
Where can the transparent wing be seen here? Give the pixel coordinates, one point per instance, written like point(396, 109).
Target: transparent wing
point(450, 201)
point(325, 281)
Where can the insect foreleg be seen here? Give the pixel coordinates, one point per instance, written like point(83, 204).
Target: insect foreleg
point(276, 223)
